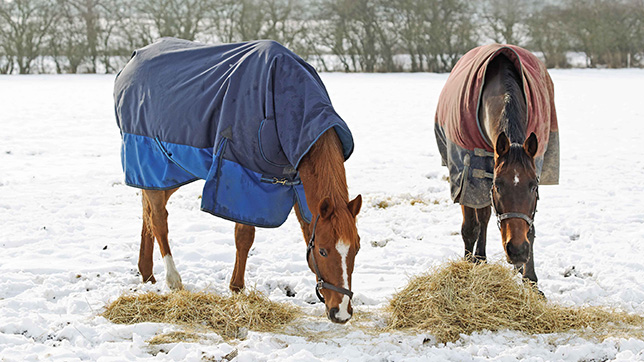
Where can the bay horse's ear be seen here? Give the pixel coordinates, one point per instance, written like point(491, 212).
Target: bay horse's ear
point(502, 145)
point(355, 205)
point(325, 208)
point(531, 145)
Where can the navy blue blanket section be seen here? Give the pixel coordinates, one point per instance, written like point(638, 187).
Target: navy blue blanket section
point(240, 116)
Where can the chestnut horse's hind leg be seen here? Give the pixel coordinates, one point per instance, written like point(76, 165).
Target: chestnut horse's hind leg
point(155, 217)
point(244, 237)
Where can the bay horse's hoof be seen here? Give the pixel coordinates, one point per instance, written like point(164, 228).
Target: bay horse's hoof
point(534, 286)
point(477, 259)
point(236, 289)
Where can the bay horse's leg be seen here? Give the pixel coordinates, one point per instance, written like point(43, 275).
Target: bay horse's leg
point(483, 218)
point(147, 244)
point(469, 230)
point(244, 237)
point(528, 268)
point(158, 218)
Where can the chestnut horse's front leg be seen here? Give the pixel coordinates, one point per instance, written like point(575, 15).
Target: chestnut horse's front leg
point(244, 237)
point(146, 260)
point(155, 217)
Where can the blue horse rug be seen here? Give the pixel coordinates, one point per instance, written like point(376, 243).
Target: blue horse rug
point(240, 116)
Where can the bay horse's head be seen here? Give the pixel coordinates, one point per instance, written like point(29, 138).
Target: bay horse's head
point(515, 194)
point(331, 253)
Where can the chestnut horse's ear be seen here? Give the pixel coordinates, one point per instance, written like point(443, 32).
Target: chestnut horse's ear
point(502, 145)
point(531, 145)
point(355, 205)
point(325, 208)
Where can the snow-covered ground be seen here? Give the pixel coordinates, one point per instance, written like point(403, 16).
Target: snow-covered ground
point(69, 227)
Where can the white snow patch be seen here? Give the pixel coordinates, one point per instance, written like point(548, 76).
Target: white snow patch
point(70, 227)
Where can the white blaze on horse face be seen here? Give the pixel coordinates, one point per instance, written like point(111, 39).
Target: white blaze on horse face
point(516, 177)
point(172, 276)
point(343, 249)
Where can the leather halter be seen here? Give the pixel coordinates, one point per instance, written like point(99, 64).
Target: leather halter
point(514, 215)
point(321, 283)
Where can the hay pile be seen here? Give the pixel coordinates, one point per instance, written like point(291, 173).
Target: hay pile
point(462, 297)
point(228, 316)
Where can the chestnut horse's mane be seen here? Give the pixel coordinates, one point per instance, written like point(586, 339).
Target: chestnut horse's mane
point(326, 165)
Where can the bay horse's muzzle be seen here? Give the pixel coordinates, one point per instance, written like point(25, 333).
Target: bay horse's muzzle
point(518, 253)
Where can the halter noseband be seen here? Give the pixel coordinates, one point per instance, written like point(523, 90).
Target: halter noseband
point(514, 215)
point(321, 283)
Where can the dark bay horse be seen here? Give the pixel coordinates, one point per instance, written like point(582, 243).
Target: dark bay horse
point(516, 161)
point(503, 116)
point(253, 120)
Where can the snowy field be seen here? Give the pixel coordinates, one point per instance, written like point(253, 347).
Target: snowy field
point(70, 228)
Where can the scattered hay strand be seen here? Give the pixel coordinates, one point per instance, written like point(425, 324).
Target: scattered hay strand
point(228, 316)
point(177, 336)
point(463, 297)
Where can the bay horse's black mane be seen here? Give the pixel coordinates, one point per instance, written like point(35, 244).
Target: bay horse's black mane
point(514, 120)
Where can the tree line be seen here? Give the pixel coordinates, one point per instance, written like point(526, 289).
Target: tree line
point(92, 36)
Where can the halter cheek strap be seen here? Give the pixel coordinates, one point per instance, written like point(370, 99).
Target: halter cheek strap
point(321, 284)
point(514, 215)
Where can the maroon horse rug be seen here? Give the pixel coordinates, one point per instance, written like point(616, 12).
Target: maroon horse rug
point(463, 146)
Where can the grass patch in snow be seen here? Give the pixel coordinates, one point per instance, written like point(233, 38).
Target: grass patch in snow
point(462, 297)
point(229, 316)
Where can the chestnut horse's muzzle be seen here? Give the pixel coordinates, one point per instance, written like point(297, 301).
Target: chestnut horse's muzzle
point(321, 284)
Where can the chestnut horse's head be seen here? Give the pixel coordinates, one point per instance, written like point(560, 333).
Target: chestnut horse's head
point(515, 194)
point(331, 253)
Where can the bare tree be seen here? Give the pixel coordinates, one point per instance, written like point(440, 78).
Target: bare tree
point(506, 19)
point(88, 13)
point(548, 36)
point(606, 31)
point(450, 33)
point(177, 18)
point(67, 43)
point(408, 21)
point(27, 26)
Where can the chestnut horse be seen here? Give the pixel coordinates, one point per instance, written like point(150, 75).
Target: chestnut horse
point(337, 241)
point(255, 121)
point(496, 129)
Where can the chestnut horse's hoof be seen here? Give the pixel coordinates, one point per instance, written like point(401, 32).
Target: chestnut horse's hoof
point(174, 282)
point(149, 279)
